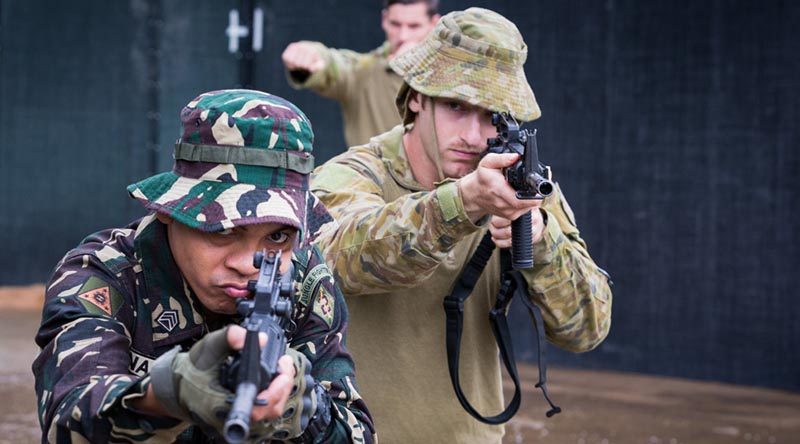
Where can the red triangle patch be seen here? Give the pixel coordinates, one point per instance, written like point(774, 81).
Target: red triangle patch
point(99, 297)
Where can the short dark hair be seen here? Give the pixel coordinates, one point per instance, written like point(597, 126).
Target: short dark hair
point(433, 5)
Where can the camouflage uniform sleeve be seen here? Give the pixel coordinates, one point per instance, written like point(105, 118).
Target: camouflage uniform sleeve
point(82, 380)
point(572, 291)
point(335, 80)
point(322, 339)
point(423, 227)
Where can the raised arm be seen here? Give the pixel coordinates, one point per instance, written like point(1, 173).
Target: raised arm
point(324, 70)
point(422, 227)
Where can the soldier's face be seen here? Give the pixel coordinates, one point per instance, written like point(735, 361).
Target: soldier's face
point(217, 266)
point(461, 132)
point(406, 25)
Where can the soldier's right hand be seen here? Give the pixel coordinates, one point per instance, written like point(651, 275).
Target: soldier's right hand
point(187, 384)
point(485, 191)
point(302, 56)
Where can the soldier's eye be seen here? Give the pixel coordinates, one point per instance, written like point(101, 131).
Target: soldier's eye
point(227, 232)
point(455, 106)
point(279, 237)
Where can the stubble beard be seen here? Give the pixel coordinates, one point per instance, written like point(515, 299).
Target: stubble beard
point(462, 168)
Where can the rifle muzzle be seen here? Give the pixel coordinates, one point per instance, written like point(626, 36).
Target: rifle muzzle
point(237, 425)
point(542, 186)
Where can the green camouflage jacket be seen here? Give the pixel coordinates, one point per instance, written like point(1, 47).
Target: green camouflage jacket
point(398, 251)
point(118, 301)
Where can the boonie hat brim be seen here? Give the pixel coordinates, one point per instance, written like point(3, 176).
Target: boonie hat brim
point(219, 205)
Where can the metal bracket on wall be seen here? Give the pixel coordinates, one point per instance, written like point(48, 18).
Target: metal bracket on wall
point(239, 28)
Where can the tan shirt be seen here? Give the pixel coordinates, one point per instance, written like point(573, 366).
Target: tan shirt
point(364, 86)
point(396, 254)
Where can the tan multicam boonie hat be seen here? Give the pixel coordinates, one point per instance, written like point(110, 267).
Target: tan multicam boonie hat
point(476, 56)
point(243, 158)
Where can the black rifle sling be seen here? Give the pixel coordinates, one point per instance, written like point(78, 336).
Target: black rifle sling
point(454, 311)
point(538, 324)
point(511, 283)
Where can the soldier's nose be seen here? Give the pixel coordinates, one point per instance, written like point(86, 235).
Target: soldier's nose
point(241, 261)
point(403, 36)
point(471, 133)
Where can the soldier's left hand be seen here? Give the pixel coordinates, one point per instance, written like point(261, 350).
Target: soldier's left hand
point(501, 229)
point(290, 406)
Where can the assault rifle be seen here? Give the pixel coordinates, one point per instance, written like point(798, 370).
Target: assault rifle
point(531, 180)
point(527, 176)
point(253, 368)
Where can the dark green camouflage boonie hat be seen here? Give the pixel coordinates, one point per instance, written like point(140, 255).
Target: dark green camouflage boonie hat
point(243, 158)
point(475, 56)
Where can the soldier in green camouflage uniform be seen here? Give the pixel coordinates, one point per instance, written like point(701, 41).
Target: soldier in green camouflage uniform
point(412, 206)
point(137, 320)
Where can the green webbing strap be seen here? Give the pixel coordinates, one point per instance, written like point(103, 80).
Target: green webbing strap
point(303, 163)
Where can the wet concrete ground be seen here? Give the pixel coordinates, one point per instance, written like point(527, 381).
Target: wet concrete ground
point(598, 407)
point(18, 422)
point(625, 408)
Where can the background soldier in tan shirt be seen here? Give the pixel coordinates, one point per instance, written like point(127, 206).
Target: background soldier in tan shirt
point(363, 84)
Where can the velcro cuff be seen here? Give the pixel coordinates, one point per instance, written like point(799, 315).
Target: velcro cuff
point(449, 201)
point(545, 249)
point(163, 383)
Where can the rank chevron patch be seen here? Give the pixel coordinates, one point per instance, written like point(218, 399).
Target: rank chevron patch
point(168, 319)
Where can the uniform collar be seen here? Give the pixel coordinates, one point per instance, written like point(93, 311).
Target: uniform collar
point(176, 313)
point(394, 157)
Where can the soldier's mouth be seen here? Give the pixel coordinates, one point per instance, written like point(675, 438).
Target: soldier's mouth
point(469, 155)
point(236, 291)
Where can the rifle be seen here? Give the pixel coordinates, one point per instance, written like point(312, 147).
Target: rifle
point(252, 369)
point(526, 176)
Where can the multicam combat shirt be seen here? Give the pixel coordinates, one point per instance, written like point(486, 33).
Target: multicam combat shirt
point(118, 301)
point(398, 250)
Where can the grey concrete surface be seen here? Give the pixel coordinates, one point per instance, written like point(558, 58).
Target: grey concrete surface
point(625, 408)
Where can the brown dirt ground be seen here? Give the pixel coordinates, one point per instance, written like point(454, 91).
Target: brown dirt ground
point(29, 297)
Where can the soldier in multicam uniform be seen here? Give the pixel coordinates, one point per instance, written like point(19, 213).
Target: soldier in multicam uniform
point(413, 204)
point(138, 319)
point(363, 84)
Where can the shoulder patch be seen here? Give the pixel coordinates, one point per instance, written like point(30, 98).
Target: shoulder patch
point(311, 282)
point(99, 298)
point(323, 306)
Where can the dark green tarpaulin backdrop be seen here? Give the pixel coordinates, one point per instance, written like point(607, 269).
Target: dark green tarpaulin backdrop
point(671, 127)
